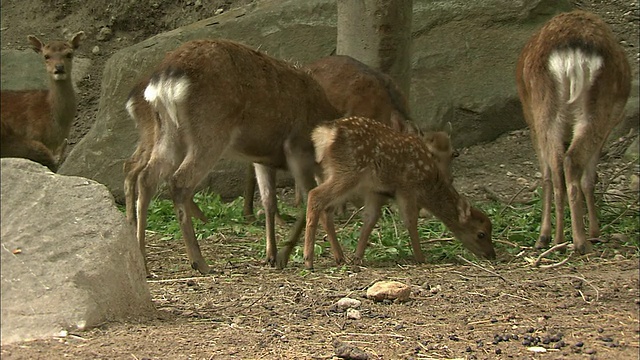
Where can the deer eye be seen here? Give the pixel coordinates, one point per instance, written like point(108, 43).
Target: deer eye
point(481, 235)
point(69, 55)
point(47, 57)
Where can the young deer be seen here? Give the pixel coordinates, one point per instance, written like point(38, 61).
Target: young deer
point(573, 80)
point(365, 157)
point(36, 119)
point(356, 89)
point(214, 98)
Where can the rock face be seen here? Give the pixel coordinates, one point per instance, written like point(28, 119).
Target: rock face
point(463, 71)
point(69, 259)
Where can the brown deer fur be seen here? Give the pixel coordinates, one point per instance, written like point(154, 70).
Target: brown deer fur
point(33, 119)
point(573, 80)
point(216, 98)
point(356, 89)
point(365, 157)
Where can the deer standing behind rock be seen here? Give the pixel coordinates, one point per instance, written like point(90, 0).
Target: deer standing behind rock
point(573, 79)
point(356, 89)
point(36, 123)
point(364, 157)
point(213, 98)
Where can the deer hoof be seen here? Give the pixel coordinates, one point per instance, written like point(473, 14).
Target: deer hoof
point(543, 242)
point(583, 248)
point(281, 261)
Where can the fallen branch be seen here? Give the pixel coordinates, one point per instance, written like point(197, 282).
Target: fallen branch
point(484, 269)
point(536, 263)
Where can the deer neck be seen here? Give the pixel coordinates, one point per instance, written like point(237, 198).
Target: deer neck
point(442, 201)
point(62, 98)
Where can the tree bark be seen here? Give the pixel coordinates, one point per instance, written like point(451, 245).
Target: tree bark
point(378, 33)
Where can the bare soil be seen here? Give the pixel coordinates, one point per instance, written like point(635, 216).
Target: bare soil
point(587, 309)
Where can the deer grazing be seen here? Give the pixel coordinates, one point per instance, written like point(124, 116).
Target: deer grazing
point(36, 123)
point(364, 157)
point(215, 98)
point(356, 89)
point(573, 80)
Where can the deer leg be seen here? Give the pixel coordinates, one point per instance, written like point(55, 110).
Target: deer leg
point(326, 218)
point(559, 194)
point(184, 180)
point(547, 200)
point(409, 211)
point(147, 183)
point(249, 191)
point(373, 204)
point(132, 168)
point(320, 200)
point(580, 170)
point(303, 167)
point(266, 177)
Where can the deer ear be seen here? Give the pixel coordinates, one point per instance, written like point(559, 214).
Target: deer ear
point(75, 40)
point(36, 44)
point(464, 210)
point(448, 128)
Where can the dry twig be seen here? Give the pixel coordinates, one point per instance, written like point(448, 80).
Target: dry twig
point(484, 269)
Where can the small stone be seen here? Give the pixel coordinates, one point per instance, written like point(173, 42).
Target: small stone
point(104, 34)
point(579, 344)
point(389, 290)
point(555, 338)
point(348, 303)
point(590, 351)
point(498, 351)
point(95, 50)
point(353, 314)
point(537, 349)
point(559, 345)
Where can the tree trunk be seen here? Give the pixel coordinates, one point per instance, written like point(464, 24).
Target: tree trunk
point(378, 33)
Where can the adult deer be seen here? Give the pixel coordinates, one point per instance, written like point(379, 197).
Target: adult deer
point(215, 98)
point(36, 123)
point(356, 89)
point(573, 80)
point(365, 157)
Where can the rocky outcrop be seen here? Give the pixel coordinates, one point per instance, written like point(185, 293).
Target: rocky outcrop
point(69, 259)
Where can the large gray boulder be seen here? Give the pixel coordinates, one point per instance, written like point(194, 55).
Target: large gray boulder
point(69, 259)
point(463, 67)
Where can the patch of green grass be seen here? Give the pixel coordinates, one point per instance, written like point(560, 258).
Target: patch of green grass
point(517, 224)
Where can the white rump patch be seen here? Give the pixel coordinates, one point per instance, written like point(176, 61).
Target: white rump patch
point(574, 71)
point(322, 137)
point(168, 92)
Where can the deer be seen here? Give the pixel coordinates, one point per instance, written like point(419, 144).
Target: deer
point(217, 98)
point(573, 81)
point(147, 122)
point(355, 89)
point(14, 145)
point(35, 120)
point(365, 157)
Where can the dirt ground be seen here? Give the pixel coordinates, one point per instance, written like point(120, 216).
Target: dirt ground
point(588, 309)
